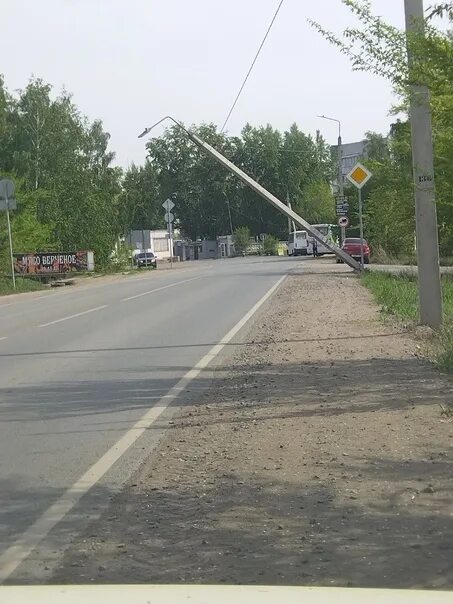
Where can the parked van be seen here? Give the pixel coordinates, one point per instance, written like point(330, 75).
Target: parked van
point(298, 243)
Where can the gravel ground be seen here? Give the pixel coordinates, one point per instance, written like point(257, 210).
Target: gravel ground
point(318, 457)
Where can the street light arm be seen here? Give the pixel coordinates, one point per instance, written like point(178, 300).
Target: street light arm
point(167, 117)
point(332, 119)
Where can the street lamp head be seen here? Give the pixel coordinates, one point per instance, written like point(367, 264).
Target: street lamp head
point(167, 117)
point(144, 133)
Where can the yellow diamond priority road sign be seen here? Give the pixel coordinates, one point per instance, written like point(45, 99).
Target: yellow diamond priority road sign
point(359, 175)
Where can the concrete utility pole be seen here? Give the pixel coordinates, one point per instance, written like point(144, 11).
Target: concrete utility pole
point(429, 287)
point(339, 165)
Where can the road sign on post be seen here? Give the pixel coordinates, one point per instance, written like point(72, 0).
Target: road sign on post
point(342, 209)
point(343, 221)
point(7, 190)
point(12, 204)
point(168, 205)
point(359, 176)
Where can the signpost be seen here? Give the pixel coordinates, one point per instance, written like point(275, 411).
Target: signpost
point(341, 209)
point(168, 205)
point(8, 202)
point(359, 176)
point(343, 222)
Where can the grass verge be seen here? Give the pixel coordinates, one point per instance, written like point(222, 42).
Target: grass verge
point(22, 285)
point(380, 256)
point(398, 297)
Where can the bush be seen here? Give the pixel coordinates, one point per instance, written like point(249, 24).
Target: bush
point(241, 239)
point(270, 246)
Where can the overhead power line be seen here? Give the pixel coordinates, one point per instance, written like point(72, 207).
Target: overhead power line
point(252, 66)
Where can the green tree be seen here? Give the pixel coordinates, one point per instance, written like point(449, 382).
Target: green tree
point(29, 235)
point(380, 48)
point(287, 164)
point(196, 182)
point(55, 152)
point(140, 203)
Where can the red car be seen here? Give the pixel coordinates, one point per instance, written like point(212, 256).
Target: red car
point(351, 245)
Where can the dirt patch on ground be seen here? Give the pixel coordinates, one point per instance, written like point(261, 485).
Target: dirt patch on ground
point(319, 456)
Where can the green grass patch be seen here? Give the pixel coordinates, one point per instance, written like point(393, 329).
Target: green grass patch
point(380, 256)
point(22, 285)
point(396, 294)
point(398, 297)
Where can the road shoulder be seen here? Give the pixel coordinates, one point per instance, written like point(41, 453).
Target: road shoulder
point(319, 456)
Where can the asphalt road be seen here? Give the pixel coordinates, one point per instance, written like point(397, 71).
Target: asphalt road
point(79, 367)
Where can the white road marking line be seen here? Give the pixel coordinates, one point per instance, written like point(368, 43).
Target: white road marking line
point(3, 337)
point(78, 314)
point(5, 305)
point(25, 544)
point(158, 289)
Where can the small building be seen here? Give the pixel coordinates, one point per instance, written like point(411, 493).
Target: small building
point(225, 246)
point(203, 249)
point(146, 240)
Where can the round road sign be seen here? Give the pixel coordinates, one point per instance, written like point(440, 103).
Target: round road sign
point(343, 221)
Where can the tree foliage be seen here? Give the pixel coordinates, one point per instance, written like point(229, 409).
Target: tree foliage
point(67, 190)
point(377, 47)
point(71, 197)
point(290, 164)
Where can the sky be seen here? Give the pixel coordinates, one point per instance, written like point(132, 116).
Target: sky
point(130, 62)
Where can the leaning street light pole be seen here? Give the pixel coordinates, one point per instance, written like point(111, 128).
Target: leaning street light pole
point(429, 286)
point(269, 197)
